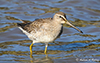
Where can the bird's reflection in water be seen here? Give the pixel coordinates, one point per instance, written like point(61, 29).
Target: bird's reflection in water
point(45, 59)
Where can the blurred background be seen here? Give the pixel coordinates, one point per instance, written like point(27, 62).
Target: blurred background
point(70, 47)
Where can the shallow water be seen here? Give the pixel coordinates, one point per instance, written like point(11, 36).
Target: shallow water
point(70, 47)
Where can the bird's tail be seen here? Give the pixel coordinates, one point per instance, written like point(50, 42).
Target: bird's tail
point(21, 24)
point(23, 21)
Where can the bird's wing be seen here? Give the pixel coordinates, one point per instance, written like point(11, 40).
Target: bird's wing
point(35, 25)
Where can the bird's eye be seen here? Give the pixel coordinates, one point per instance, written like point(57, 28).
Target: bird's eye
point(60, 17)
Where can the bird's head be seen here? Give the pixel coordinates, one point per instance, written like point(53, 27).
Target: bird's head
point(60, 17)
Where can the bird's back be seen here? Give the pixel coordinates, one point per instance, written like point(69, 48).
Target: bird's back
point(33, 26)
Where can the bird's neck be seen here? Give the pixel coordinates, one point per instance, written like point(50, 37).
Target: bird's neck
point(56, 22)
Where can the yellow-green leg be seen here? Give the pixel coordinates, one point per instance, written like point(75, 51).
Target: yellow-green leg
point(31, 48)
point(31, 53)
point(46, 49)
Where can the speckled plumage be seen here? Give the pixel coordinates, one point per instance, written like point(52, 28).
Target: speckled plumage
point(45, 30)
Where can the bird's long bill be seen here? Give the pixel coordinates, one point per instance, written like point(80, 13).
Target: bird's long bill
point(74, 27)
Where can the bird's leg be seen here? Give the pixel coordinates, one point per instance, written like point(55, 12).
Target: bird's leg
point(31, 53)
point(31, 48)
point(46, 49)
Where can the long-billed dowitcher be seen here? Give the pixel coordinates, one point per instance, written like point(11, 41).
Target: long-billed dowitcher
point(45, 30)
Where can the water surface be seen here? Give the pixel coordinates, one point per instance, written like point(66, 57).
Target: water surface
point(70, 47)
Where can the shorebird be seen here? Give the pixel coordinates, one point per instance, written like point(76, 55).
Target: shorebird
point(45, 30)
